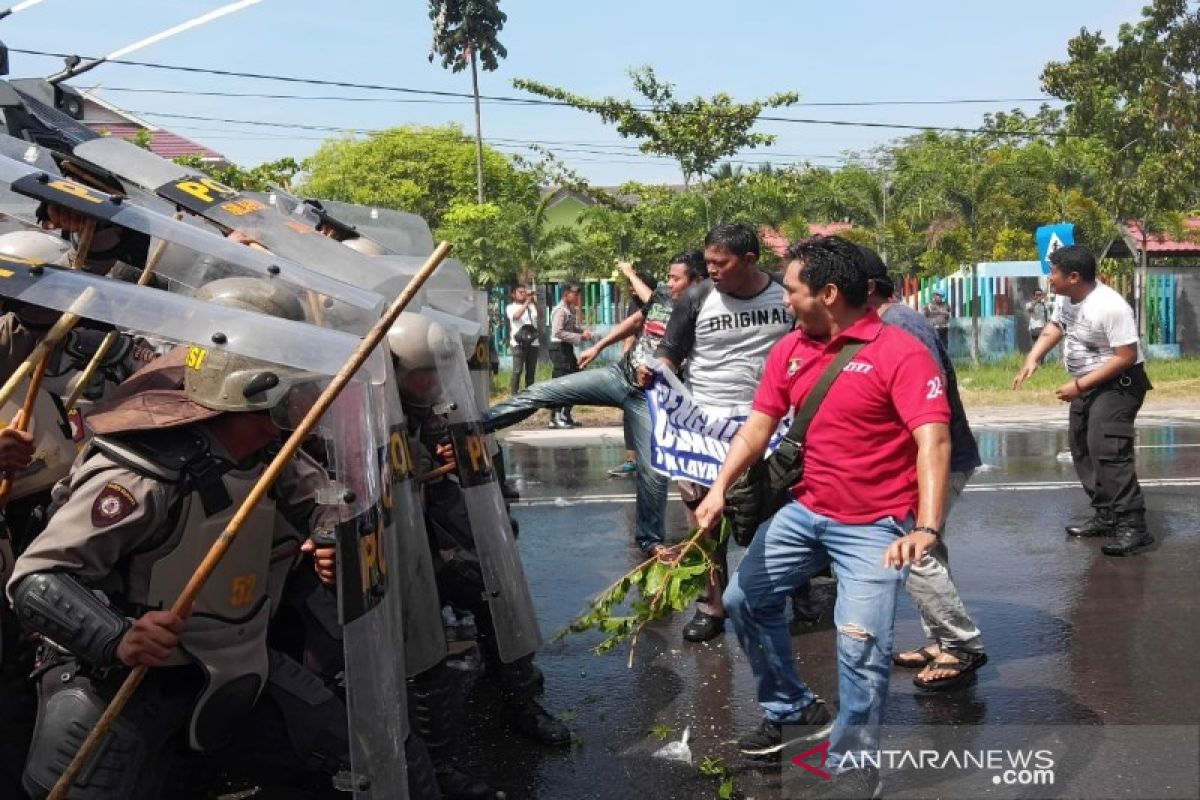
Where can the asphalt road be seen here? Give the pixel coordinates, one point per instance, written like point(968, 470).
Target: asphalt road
point(1087, 646)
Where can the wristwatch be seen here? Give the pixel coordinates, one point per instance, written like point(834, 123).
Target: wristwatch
point(936, 533)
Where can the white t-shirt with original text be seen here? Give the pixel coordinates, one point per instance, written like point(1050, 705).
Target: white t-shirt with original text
point(1093, 327)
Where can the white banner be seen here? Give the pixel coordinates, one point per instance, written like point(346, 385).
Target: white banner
point(686, 442)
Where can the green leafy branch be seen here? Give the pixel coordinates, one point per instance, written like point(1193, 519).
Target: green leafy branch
point(664, 584)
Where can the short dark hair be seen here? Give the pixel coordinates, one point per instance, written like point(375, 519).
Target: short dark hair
point(1075, 258)
point(736, 237)
point(513, 291)
point(571, 286)
point(832, 260)
point(694, 261)
point(877, 271)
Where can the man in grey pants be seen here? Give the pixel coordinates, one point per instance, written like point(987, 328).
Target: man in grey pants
point(957, 647)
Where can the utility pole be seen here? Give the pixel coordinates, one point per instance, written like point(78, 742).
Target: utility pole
point(478, 131)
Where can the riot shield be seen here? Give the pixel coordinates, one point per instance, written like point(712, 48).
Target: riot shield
point(167, 316)
point(371, 603)
point(43, 186)
point(424, 633)
point(230, 209)
point(355, 434)
point(399, 231)
point(509, 600)
point(53, 449)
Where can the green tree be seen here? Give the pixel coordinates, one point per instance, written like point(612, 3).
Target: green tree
point(500, 242)
point(465, 32)
point(421, 170)
point(1141, 99)
point(256, 179)
point(697, 133)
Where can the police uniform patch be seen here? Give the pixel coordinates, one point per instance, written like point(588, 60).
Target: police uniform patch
point(113, 504)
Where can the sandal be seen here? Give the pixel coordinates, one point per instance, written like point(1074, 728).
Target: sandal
point(961, 669)
point(925, 655)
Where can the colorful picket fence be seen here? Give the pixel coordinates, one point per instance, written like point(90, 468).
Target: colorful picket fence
point(605, 302)
point(1161, 305)
point(994, 295)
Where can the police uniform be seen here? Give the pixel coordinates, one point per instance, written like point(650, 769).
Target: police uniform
point(128, 528)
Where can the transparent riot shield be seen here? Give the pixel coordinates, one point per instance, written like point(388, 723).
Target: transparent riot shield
point(199, 244)
point(509, 599)
point(399, 231)
point(424, 633)
point(371, 582)
point(355, 435)
point(230, 209)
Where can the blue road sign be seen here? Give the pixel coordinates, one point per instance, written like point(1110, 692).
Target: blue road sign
point(1052, 237)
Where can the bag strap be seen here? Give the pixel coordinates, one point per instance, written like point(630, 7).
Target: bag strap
point(808, 409)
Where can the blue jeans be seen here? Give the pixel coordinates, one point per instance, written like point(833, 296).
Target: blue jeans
point(792, 548)
point(606, 386)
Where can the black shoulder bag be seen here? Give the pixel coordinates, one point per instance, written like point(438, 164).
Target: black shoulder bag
point(766, 486)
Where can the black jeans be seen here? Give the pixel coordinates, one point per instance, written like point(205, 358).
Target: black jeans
point(1101, 434)
point(943, 335)
point(524, 359)
point(562, 359)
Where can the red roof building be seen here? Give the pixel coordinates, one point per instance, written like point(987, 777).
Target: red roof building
point(108, 120)
point(1160, 245)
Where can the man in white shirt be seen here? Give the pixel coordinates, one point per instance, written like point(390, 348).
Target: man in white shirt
point(522, 315)
point(1108, 383)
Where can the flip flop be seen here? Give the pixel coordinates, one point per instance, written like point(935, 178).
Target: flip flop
point(962, 667)
point(925, 654)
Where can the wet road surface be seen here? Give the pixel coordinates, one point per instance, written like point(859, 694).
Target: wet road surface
point(1074, 637)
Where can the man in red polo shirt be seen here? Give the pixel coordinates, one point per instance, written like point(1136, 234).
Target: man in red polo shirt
point(876, 470)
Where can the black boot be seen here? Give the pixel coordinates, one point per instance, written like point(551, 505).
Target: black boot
point(1101, 523)
point(422, 780)
point(436, 713)
point(530, 719)
point(1130, 535)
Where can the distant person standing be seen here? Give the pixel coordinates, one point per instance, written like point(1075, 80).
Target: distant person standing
point(1038, 310)
point(938, 314)
point(523, 336)
point(1108, 383)
point(565, 333)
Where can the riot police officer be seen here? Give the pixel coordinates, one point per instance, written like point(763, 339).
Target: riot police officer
point(456, 523)
point(161, 478)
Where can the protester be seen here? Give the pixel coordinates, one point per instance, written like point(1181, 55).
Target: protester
point(619, 386)
point(723, 329)
point(938, 314)
point(642, 286)
point(565, 333)
point(957, 647)
point(1039, 315)
point(877, 458)
point(1104, 360)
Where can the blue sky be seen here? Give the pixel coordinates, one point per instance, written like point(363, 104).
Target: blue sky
point(829, 52)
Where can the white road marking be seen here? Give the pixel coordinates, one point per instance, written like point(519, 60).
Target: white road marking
point(1042, 486)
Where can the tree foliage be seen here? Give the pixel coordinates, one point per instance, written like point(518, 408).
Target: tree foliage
point(256, 179)
point(463, 29)
point(697, 133)
point(426, 171)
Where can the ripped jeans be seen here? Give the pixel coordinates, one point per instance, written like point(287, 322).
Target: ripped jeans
point(794, 547)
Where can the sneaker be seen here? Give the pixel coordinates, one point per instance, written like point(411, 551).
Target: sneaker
point(558, 422)
point(703, 627)
point(626, 469)
point(767, 740)
point(856, 784)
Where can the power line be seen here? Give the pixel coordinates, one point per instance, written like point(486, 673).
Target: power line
point(517, 100)
point(467, 98)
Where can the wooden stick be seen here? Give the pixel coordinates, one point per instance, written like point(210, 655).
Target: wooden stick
point(444, 469)
point(225, 540)
point(25, 417)
point(111, 337)
point(61, 327)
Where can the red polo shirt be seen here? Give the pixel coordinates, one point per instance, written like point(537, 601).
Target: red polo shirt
point(860, 462)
